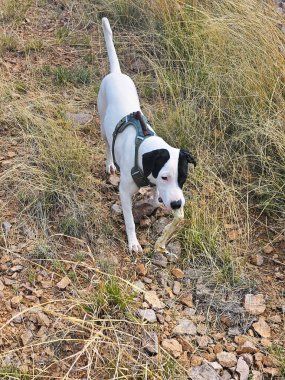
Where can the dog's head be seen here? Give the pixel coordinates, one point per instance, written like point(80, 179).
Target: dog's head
point(168, 169)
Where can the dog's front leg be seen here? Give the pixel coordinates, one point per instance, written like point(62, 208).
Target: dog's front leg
point(127, 190)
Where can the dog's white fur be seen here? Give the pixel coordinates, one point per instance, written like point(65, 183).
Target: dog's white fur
point(117, 98)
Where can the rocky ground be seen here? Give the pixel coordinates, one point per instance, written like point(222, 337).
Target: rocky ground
point(73, 310)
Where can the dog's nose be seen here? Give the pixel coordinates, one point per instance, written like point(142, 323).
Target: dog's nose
point(176, 204)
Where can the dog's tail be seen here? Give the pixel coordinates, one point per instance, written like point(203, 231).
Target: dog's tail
point(113, 58)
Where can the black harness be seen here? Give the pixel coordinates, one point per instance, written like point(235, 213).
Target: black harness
point(140, 123)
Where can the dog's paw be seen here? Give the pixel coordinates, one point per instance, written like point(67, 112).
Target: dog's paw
point(110, 168)
point(134, 246)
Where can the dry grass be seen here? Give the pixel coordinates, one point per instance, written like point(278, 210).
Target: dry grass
point(212, 81)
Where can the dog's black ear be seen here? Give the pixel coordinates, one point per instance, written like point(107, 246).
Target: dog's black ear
point(154, 160)
point(189, 156)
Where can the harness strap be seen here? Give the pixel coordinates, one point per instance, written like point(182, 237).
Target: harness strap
point(140, 122)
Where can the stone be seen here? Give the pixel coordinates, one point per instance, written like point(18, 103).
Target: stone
point(262, 328)
point(185, 326)
point(256, 375)
point(242, 368)
point(150, 343)
point(26, 337)
point(63, 283)
point(233, 331)
point(147, 315)
point(6, 226)
point(254, 304)
point(268, 249)
point(226, 375)
point(248, 358)
point(274, 318)
point(80, 118)
point(43, 319)
point(217, 366)
point(203, 372)
point(247, 348)
point(114, 180)
point(152, 299)
point(177, 273)
point(274, 372)
point(257, 259)
point(139, 286)
point(16, 268)
point(266, 342)
point(196, 360)
point(186, 343)
point(160, 224)
point(172, 346)
point(174, 248)
point(270, 361)
point(116, 209)
point(2, 286)
point(176, 287)
point(202, 329)
point(144, 207)
point(187, 300)
point(227, 359)
point(160, 260)
point(204, 341)
point(16, 300)
point(141, 269)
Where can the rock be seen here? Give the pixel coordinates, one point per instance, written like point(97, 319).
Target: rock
point(196, 360)
point(152, 299)
point(150, 343)
point(233, 331)
point(2, 286)
point(160, 318)
point(274, 318)
point(202, 329)
point(174, 248)
point(187, 300)
point(186, 343)
point(141, 270)
point(145, 207)
point(204, 341)
point(256, 375)
point(147, 315)
point(262, 328)
point(203, 372)
point(248, 358)
point(160, 260)
point(6, 226)
point(26, 337)
point(209, 356)
point(158, 225)
point(63, 283)
point(268, 249)
point(16, 300)
point(116, 209)
point(270, 361)
point(272, 371)
point(266, 342)
point(217, 366)
point(80, 118)
point(176, 287)
point(16, 268)
point(226, 375)
point(177, 273)
point(242, 368)
point(227, 359)
point(254, 304)
point(43, 319)
point(139, 286)
point(257, 260)
point(185, 326)
point(172, 346)
point(247, 348)
point(114, 180)
point(147, 280)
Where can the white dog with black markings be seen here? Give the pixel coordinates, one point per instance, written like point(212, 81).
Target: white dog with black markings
point(158, 163)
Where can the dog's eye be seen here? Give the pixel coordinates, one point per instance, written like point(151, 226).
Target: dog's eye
point(164, 178)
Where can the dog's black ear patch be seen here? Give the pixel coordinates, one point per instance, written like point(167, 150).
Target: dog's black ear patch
point(154, 160)
point(185, 157)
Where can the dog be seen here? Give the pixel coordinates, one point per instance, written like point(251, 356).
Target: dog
point(130, 139)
